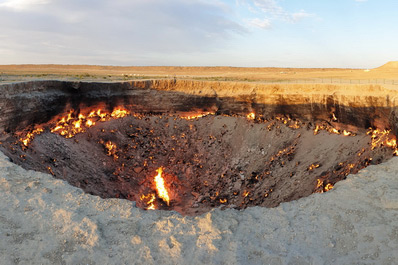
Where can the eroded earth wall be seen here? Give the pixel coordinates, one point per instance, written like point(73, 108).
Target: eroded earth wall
point(359, 105)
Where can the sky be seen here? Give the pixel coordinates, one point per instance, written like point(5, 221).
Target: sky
point(247, 33)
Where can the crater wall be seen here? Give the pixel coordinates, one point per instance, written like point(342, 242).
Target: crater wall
point(358, 105)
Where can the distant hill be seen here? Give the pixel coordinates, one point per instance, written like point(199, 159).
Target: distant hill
point(393, 65)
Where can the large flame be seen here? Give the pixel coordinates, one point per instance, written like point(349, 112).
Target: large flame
point(160, 188)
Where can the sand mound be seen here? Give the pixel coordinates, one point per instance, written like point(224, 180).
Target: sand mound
point(393, 65)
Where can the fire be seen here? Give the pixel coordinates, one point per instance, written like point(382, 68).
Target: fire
point(150, 199)
point(332, 130)
point(29, 137)
point(119, 113)
point(251, 116)
point(328, 187)
point(313, 166)
point(90, 123)
point(334, 118)
point(223, 201)
point(319, 183)
point(196, 115)
point(316, 130)
point(320, 188)
point(346, 133)
point(111, 149)
point(69, 126)
point(160, 188)
point(383, 137)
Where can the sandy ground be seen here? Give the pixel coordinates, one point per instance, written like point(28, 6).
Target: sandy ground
point(47, 221)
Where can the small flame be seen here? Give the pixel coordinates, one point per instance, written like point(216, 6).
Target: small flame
point(150, 199)
point(320, 188)
point(161, 189)
point(90, 123)
point(328, 187)
point(119, 113)
point(319, 183)
point(313, 166)
point(223, 201)
point(346, 133)
point(334, 130)
point(111, 149)
point(195, 115)
point(316, 130)
point(251, 116)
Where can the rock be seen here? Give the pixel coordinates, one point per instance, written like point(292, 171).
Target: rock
point(137, 169)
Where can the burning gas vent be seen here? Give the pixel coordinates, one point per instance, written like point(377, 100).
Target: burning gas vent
point(194, 160)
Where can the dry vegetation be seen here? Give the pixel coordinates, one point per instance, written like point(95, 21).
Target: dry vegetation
point(386, 74)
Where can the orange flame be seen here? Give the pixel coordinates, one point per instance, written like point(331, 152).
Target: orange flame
point(313, 166)
point(192, 116)
point(160, 188)
point(29, 137)
point(150, 198)
point(111, 149)
point(328, 187)
point(383, 137)
point(320, 188)
point(251, 116)
point(119, 113)
point(346, 133)
point(69, 126)
point(223, 201)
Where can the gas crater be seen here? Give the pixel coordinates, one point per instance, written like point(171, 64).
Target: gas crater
point(185, 146)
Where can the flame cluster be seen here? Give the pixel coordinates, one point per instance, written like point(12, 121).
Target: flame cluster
point(289, 122)
point(383, 138)
point(321, 188)
point(29, 136)
point(196, 115)
point(72, 124)
point(332, 130)
point(111, 148)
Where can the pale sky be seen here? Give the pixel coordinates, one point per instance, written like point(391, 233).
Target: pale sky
point(258, 33)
